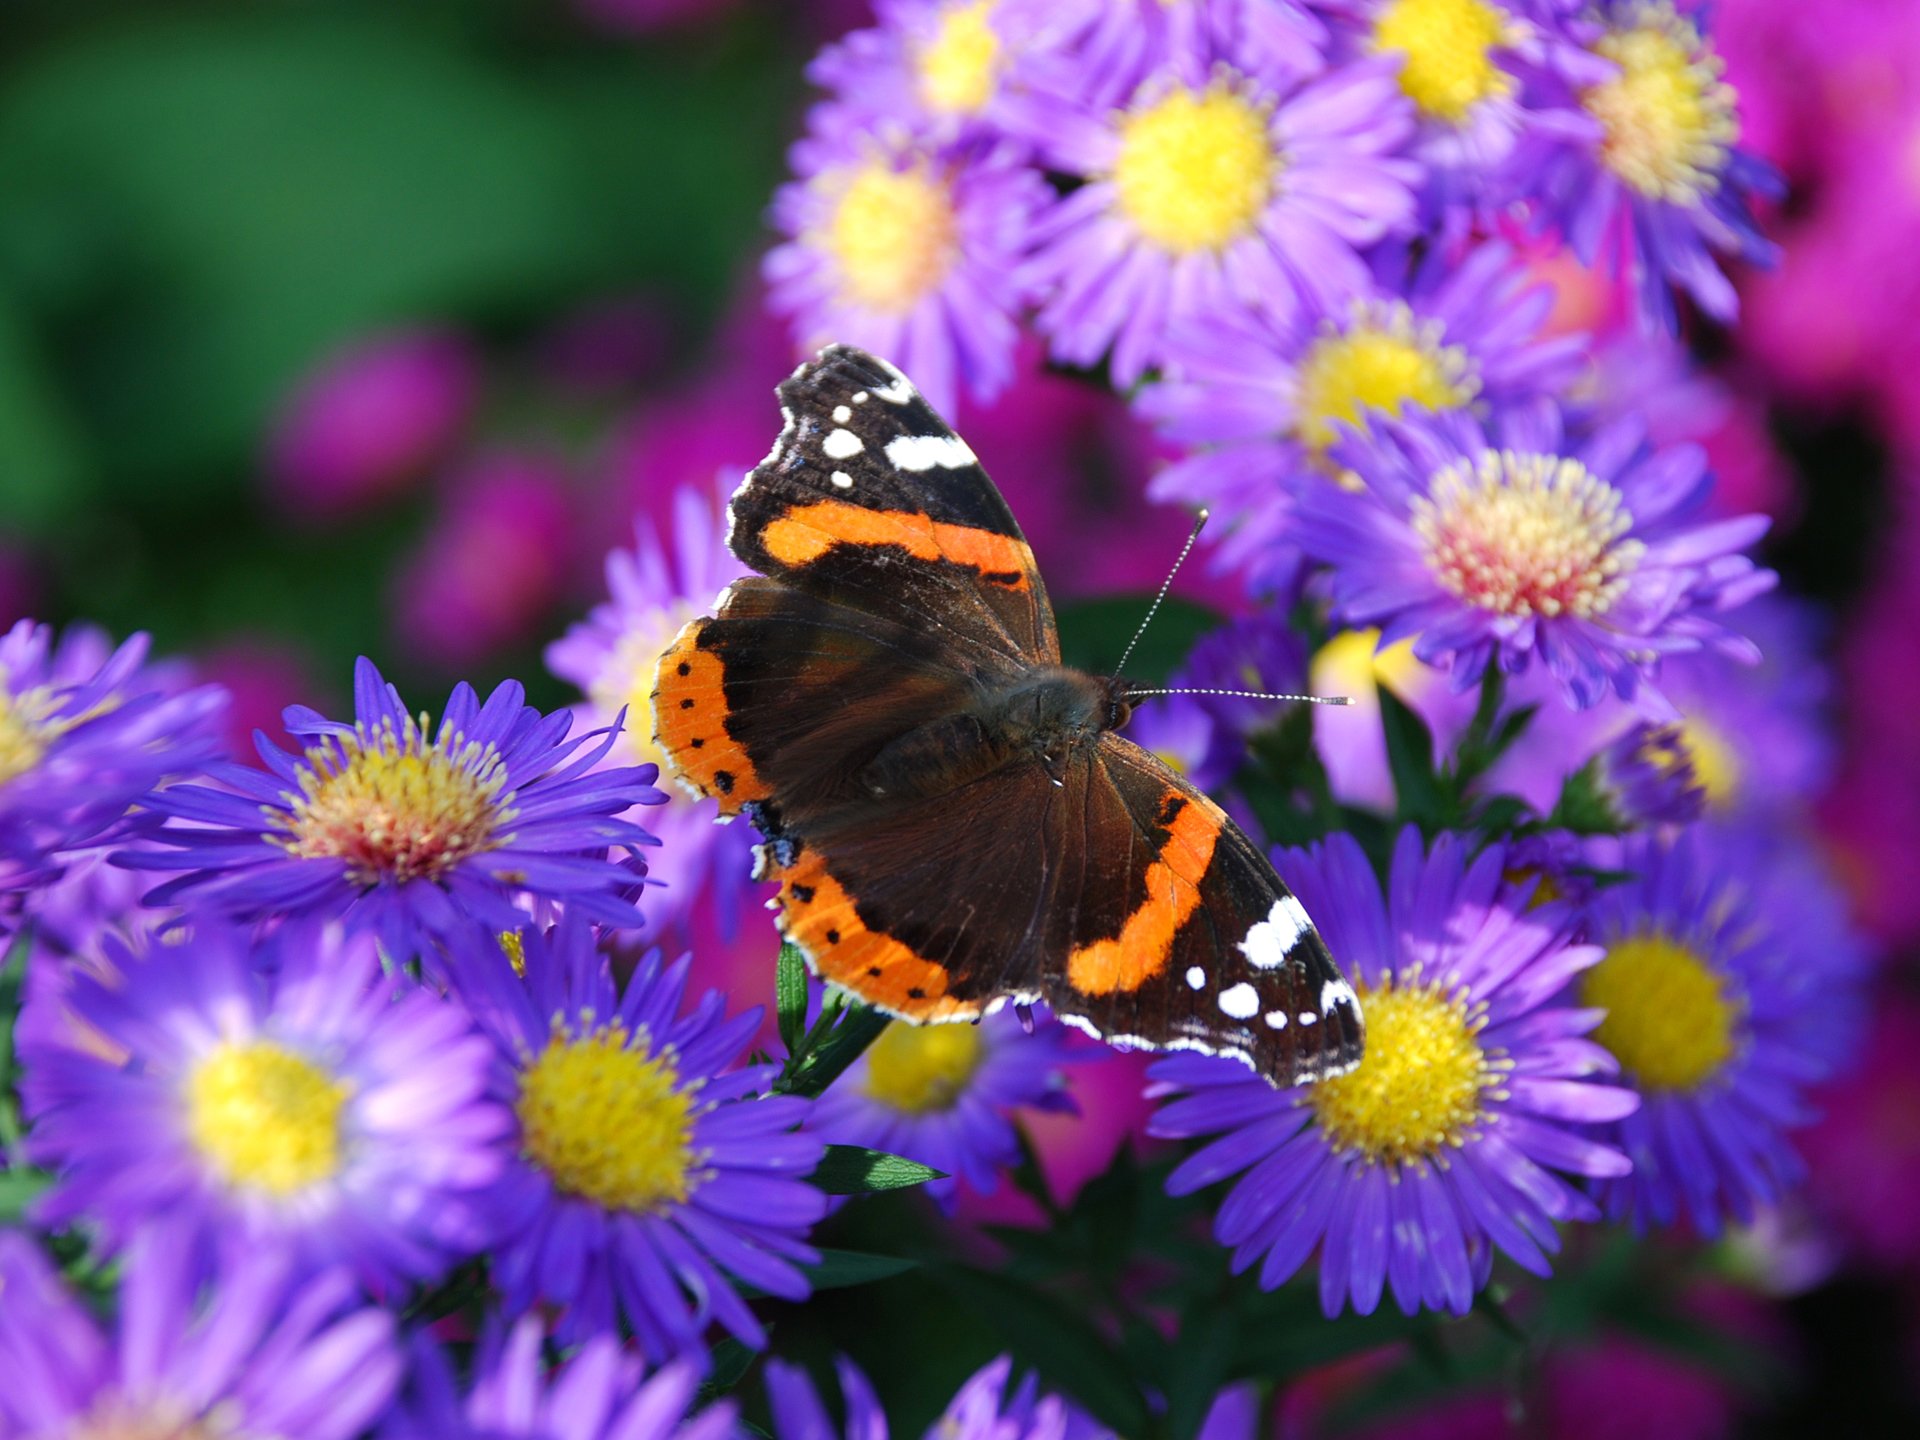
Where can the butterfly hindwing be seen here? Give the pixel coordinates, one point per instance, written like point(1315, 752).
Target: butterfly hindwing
point(1209, 951)
point(869, 499)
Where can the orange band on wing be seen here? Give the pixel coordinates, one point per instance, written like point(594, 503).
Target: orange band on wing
point(817, 914)
point(807, 532)
point(690, 723)
point(1173, 893)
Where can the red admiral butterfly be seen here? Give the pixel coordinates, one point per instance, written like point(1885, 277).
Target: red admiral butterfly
point(952, 816)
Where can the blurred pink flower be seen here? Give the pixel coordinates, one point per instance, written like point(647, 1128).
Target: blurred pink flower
point(370, 419)
point(1863, 1156)
point(493, 564)
point(607, 345)
point(262, 676)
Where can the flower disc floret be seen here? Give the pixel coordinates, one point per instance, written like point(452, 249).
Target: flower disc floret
point(1418, 1089)
point(918, 1068)
point(1526, 535)
point(1196, 167)
point(604, 1116)
point(1671, 1020)
point(891, 234)
point(1668, 118)
point(1384, 358)
point(1448, 66)
point(959, 64)
point(265, 1117)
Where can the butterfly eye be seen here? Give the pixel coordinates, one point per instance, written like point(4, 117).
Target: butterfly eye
point(1119, 711)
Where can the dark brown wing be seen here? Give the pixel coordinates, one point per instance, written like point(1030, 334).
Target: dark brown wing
point(782, 697)
point(1184, 938)
point(870, 501)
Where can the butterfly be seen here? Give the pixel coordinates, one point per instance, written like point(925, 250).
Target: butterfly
point(953, 817)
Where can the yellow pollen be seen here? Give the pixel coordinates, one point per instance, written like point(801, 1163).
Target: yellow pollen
point(603, 1115)
point(1348, 664)
point(1419, 1087)
point(1716, 765)
point(1385, 359)
point(1670, 1016)
point(266, 1118)
point(892, 234)
point(1448, 45)
point(1196, 168)
point(26, 729)
point(513, 945)
point(1668, 117)
point(920, 1068)
point(396, 806)
point(1527, 535)
point(959, 65)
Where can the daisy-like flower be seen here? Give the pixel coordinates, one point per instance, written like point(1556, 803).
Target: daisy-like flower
point(667, 579)
point(262, 1352)
point(945, 1095)
point(1215, 187)
point(411, 832)
point(1510, 543)
point(1730, 984)
point(982, 1409)
point(1662, 185)
point(278, 1095)
point(1647, 777)
point(1261, 404)
point(1443, 1145)
point(600, 1393)
point(908, 248)
point(643, 1175)
point(88, 730)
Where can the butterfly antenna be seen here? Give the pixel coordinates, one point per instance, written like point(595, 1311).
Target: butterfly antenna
point(1248, 695)
point(1199, 523)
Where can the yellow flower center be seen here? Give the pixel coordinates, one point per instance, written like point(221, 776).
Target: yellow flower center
point(1384, 360)
point(26, 729)
point(1716, 765)
point(892, 235)
point(396, 806)
point(1448, 45)
point(918, 1068)
point(1196, 168)
point(513, 945)
point(1348, 664)
point(605, 1116)
point(1668, 118)
point(1670, 1016)
point(627, 678)
point(266, 1118)
point(1418, 1089)
point(1527, 535)
point(960, 63)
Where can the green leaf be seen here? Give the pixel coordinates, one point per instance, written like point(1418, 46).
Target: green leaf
point(851, 1170)
point(1583, 806)
point(1094, 634)
point(18, 1190)
point(838, 1038)
point(1410, 758)
point(839, 1269)
point(790, 995)
point(1057, 1340)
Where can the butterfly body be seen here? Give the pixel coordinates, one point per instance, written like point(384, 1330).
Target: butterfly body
point(952, 815)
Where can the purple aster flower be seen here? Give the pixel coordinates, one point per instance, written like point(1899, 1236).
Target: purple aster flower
point(653, 589)
point(643, 1174)
point(1647, 777)
point(907, 248)
point(1261, 404)
point(410, 832)
point(1216, 187)
point(945, 1094)
point(1660, 186)
point(1181, 732)
point(1731, 983)
point(1255, 652)
point(263, 1352)
point(1350, 740)
point(281, 1095)
point(982, 1409)
point(600, 1393)
point(88, 730)
point(1513, 543)
point(1443, 1145)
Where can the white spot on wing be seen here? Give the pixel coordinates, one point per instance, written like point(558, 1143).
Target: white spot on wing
point(842, 445)
point(900, 391)
point(1337, 992)
point(860, 397)
point(843, 480)
point(1307, 1017)
point(1240, 1001)
point(1196, 978)
point(923, 452)
point(842, 414)
point(1276, 1019)
point(1269, 940)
